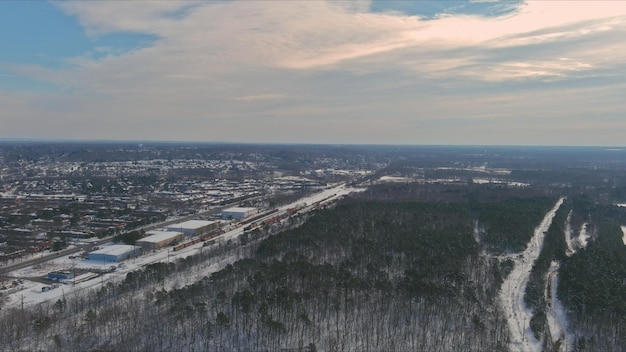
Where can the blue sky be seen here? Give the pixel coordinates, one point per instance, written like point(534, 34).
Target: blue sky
point(391, 72)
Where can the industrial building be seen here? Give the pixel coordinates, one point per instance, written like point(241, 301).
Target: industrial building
point(159, 239)
point(60, 275)
point(115, 253)
point(238, 213)
point(194, 227)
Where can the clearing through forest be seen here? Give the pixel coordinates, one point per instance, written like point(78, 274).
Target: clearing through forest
point(513, 288)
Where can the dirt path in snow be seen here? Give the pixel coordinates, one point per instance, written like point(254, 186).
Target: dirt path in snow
point(513, 288)
point(557, 320)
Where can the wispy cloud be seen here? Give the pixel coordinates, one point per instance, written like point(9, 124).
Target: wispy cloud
point(214, 65)
point(262, 97)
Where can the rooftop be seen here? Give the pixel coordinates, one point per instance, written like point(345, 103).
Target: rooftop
point(191, 224)
point(158, 236)
point(238, 209)
point(116, 249)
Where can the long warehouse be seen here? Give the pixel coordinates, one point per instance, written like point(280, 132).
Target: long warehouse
point(194, 227)
point(115, 253)
point(160, 239)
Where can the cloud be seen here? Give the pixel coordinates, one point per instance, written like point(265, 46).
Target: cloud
point(146, 17)
point(325, 35)
point(281, 65)
point(261, 97)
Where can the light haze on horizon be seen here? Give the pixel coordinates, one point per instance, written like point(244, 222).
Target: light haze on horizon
point(346, 72)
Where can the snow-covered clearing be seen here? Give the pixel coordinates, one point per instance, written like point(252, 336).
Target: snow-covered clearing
point(583, 236)
point(557, 319)
point(395, 179)
point(568, 236)
point(476, 232)
point(482, 181)
point(513, 288)
point(575, 243)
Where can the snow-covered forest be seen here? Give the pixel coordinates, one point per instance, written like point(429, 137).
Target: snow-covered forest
point(368, 275)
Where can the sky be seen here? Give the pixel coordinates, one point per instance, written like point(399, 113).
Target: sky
point(331, 72)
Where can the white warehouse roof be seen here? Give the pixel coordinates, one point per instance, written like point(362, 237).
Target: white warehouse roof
point(238, 210)
point(158, 236)
point(191, 224)
point(117, 249)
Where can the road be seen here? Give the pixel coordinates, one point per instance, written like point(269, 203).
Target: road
point(512, 291)
point(557, 321)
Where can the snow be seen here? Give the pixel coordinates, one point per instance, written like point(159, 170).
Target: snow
point(292, 178)
point(513, 288)
point(557, 319)
point(568, 236)
point(583, 236)
point(116, 250)
point(395, 179)
point(190, 224)
point(624, 235)
point(476, 232)
point(482, 181)
point(579, 242)
point(31, 293)
point(159, 236)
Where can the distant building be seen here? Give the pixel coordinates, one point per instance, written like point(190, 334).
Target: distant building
point(159, 239)
point(238, 213)
point(115, 253)
point(194, 227)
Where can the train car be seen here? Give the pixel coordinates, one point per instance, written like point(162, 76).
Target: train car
point(270, 221)
point(259, 216)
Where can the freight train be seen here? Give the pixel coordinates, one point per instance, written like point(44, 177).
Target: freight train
point(198, 239)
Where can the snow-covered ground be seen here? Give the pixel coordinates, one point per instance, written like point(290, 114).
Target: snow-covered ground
point(501, 182)
point(583, 236)
point(575, 243)
point(557, 319)
point(513, 288)
point(568, 236)
point(31, 291)
point(395, 179)
point(624, 235)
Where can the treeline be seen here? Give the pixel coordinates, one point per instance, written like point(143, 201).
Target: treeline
point(369, 276)
point(366, 276)
point(507, 225)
